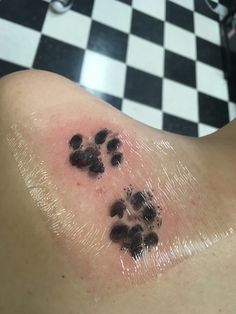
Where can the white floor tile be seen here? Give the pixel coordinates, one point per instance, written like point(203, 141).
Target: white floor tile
point(154, 8)
point(204, 129)
point(188, 4)
point(18, 44)
point(103, 74)
point(232, 111)
point(113, 13)
point(211, 81)
point(207, 28)
point(145, 56)
point(180, 100)
point(180, 41)
point(71, 27)
point(143, 113)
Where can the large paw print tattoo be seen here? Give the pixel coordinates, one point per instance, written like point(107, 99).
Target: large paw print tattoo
point(88, 155)
point(137, 219)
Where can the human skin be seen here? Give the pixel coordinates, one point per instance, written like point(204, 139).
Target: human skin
point(57, 256)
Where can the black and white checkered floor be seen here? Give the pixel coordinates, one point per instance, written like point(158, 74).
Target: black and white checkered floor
point(158, 61)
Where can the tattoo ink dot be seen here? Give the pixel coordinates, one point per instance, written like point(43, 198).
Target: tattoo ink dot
point(84, 158)
point(76, 141)
point(97, 167)
point(136, 240)
point(159, 222)
point(136, 252)
point(77, 159)
point(119, 232)
point(118, 209)
point(149, 213)
point(116, 159)
point(135, 229)
point(113, 145)
point(128, 191)
point(101, 136)
point(91, 154)
point(137, 200)
point(136, 245)
point(151, 239)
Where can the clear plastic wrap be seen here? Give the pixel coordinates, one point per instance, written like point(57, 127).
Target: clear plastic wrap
point(76, 207)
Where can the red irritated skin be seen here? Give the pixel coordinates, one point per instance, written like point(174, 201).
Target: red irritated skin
point(120, 223)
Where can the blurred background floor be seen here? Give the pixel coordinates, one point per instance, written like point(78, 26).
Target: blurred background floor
point(157, 61)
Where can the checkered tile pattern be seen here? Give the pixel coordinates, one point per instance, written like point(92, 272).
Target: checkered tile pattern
point(158, 61)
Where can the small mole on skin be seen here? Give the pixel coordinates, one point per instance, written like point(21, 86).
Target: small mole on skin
point(149, 213)
point(119, 232)
point(118, 209)
point(137, 200)
point(151, 239)
point(101, 136)
point(76, 141)
point(113, 144)
point(116, 159)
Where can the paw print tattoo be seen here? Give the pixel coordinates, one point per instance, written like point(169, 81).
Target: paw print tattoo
point(136, 219)
point(88, 156)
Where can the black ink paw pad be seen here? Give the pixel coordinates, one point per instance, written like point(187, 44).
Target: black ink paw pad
point(113, 146)
point(88, 156)
point(136, 219)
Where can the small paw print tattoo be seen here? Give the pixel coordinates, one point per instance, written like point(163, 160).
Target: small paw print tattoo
point(137, 222)
point(88, 155)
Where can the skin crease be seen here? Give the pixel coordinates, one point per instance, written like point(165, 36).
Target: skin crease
point(205, 282)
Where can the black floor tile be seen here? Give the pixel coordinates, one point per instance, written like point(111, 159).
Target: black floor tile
point(108, 41)
point(180, 69)
point(143, 87)
point(113, 100)
point(83, 6)
point(229, 66)
point(209, 53)
point(25, 12)
point(147, 27)
point(179, 126)
point(7, 68)
point(202, 7)
point(59, 57)
point(179, 16)
point(230, 4)
point(129, 2)
point(213, 111)
point(232, 89)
